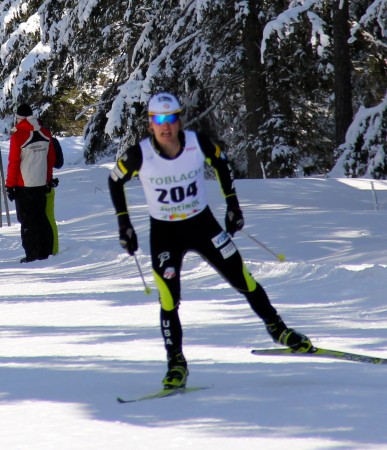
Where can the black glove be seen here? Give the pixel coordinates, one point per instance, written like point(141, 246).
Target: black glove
point(234, 220)
point(11, 193)
point(128, 239)
point(54, 182)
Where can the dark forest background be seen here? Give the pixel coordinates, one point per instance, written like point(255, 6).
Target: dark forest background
point(289, 88)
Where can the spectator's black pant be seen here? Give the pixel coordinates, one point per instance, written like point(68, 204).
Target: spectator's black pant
point(36, 232)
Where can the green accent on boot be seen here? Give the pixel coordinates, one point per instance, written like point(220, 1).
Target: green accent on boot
point(176, 377)
point(298, 342)
point(275, 329)
point(176, 359)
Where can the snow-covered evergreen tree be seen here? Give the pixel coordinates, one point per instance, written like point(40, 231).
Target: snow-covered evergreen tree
point(364, 152)
point(368, 49)
point(92, 65)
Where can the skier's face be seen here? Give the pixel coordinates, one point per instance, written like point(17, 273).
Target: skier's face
point(165, 128)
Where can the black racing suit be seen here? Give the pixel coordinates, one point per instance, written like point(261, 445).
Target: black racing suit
point(171, 240)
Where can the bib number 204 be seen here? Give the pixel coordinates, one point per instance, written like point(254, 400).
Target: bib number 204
point(177, 194)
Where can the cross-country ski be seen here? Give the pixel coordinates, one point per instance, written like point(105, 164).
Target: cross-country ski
point(322, 353)
point(163, 393)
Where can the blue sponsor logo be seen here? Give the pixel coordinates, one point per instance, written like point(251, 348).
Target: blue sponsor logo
point(220, 239)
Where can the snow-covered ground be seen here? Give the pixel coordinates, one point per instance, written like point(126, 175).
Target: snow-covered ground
point(78, 329)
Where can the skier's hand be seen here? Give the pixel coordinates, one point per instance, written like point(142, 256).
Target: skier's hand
point(54, 182)
point(128, 239)
point(234, 220)
point(11, 193)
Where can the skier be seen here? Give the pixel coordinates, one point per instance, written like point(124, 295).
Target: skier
point(170, 165)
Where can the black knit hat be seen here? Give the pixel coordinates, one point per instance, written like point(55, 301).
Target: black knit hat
point(24, 110)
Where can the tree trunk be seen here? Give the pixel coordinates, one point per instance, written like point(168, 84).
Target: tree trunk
point(255, 91)
point(342, 65)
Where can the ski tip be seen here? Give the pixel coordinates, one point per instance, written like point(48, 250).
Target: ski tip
point(121, 400)
point(163, 393)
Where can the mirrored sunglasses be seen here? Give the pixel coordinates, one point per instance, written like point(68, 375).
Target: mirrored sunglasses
point(169, 118)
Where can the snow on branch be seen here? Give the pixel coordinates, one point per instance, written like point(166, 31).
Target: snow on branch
point(31, 26)
point(283, 21)
point(366, 121)
point(85, 8)
point(29, 65)
point(138, 90)
point(377, 11)
point(365, 136)
point(129, 93)
point(9, 12)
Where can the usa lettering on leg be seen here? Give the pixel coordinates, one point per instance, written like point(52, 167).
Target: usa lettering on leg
point(167, 332)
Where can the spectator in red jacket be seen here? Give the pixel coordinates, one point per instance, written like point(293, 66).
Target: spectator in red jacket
point(30, 168)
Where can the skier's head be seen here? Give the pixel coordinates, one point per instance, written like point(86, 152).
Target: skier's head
point(164, 117)
point(163, 104)
point(164, 108)
point(23, 111)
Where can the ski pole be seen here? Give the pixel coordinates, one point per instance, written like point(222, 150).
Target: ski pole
point(146, 287)
point(279, 256)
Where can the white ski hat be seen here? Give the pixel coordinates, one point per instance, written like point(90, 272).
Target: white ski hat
point(163, 103)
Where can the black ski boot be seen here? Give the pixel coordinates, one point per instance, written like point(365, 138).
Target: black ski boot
point(176, 376)
point(281, 334)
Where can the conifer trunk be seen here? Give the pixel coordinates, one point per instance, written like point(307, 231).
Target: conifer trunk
point(255, 90)
point(342, 64)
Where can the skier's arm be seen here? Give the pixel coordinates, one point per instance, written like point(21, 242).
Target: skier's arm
point(218, 160)
point(50, 160)
point(125, 168)
point(14, 159)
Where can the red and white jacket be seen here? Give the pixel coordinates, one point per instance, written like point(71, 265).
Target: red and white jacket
point(31, 155)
